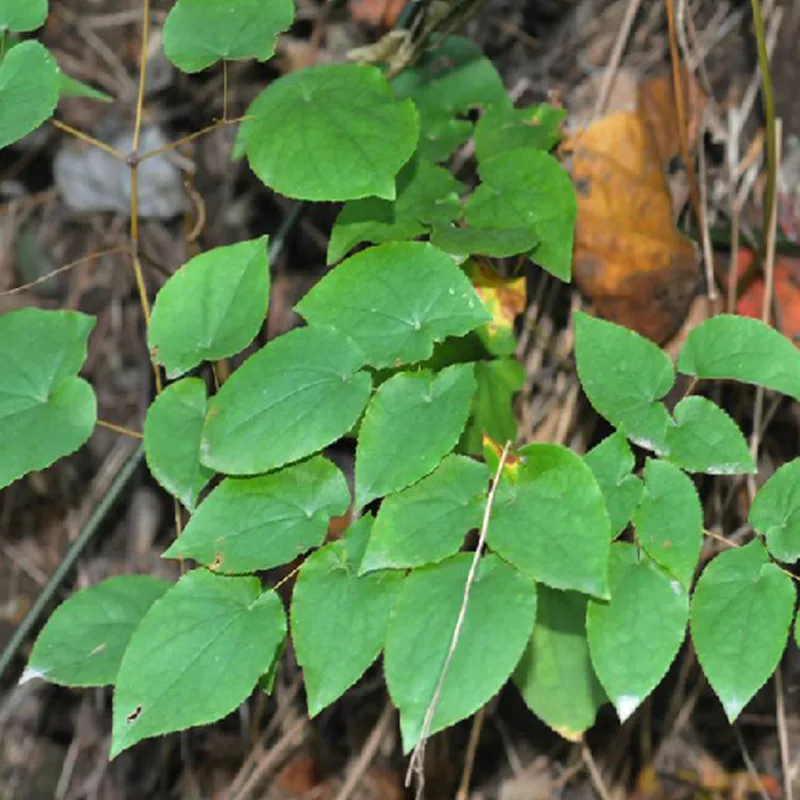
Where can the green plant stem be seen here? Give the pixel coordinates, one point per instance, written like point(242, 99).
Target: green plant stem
point(70, 557)
point(768, 97)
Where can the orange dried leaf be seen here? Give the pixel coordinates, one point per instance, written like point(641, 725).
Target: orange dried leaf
point(630, 260)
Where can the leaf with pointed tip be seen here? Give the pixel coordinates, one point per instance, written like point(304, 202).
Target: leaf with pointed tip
point(29, 85)
point(743, 349)
point(46, 410)
point(498, 622)
point(71, 87)
point(428, 521)
point(83, 641)
point(339, 618)
point(198, 33)
point(426, 193)
point(430, 410)
point(550, 521)
point(248, 524)
point(172, 431)
point(634, 636)
point(397, 320)
point(705, 439)
point(506, 128)
point(775, 512)
point(555, 675)
point(212, 307)
point(625, 376)
point(669, 520)
point(20, 16)
point(196, 656)
point(528, 189)
point(343, 134)
point(741, 611)
point(611, 463)
point(293, 397)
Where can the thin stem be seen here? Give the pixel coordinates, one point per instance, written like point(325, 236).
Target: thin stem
point(768, 96)
point(133, 162)
point(72, 264)
point(417, 758)
point(192, 136)
point(680, 113)
point(137, 125)
point(119, 429)
point(84, 137)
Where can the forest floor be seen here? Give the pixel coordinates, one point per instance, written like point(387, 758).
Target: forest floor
point(580, 53)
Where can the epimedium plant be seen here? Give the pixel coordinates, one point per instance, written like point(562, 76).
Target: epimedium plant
point(589, 581)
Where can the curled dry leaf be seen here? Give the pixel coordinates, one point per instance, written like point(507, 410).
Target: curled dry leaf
point(630, 260)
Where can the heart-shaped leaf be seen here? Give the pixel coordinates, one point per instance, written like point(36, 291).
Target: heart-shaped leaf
point(29, 86)
point(46, 410)
point(196, 655)
point(342, 134)
point(198, 33)
point(172, 431)
point(398, 320)
point(293, 397)
point(84, 639)
point(431, 411)
point(247, 524)
point(775, 512)
point(498, 622)
point(212, 307)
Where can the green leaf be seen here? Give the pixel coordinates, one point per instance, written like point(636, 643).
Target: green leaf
point(449, 80)
point(741, 611)
point(342, 134)
point(198, 33)
point(84, 639)
point(454, 78)
point(706, 439)
point(212, 307)
point(46, 411)
point(506, 128)
point(742, 349)
point(550, 521)
point(28, 90)
point(669, 520)
point(493, 405)
point(428, 521)
point(497, 624)
point(339, 619)
point(248, 524)
point(555, 676)
point(393, 319)
point(172, 431)
point(19, 16)
point(775, 512)
point(611, 463)
point(71, 87)
point(528, 189)
point(411, 423)
point(195, 656)
point(634, 636)
point(426, 193)
point(494, 242)
point(624, 376)
point(293, 397)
